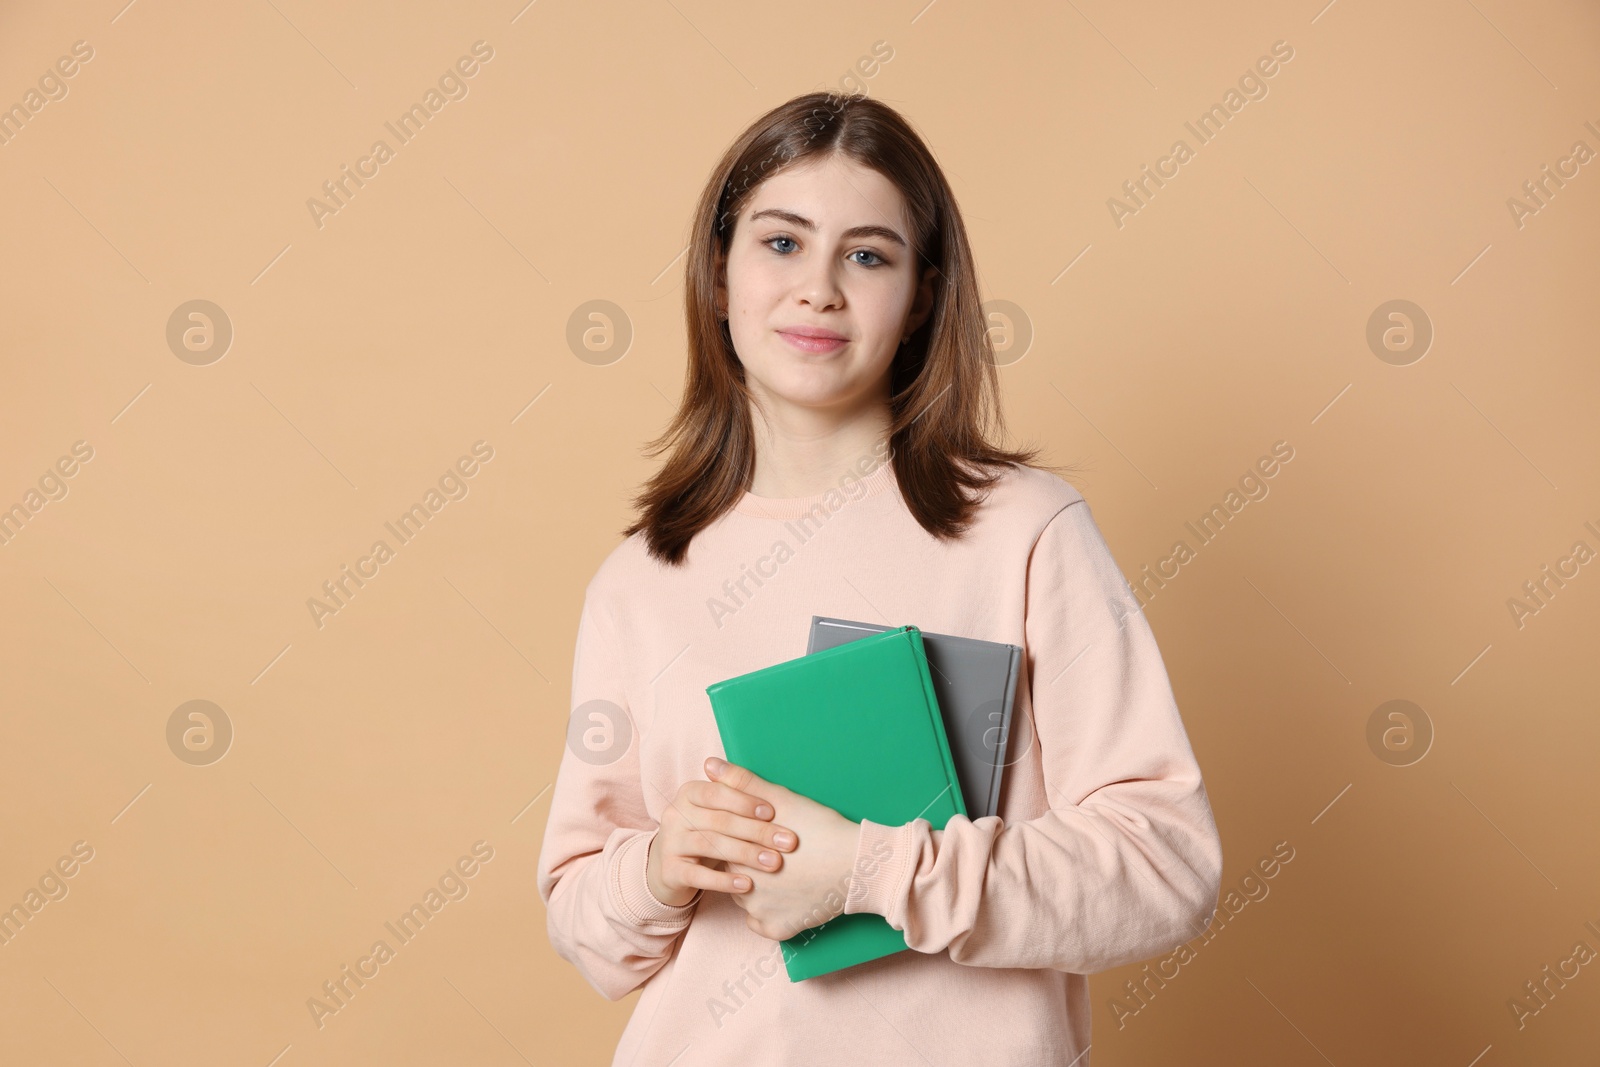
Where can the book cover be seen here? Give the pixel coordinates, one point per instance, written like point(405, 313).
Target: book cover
point(857, 728)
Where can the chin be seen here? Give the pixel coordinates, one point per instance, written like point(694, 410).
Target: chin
point(807, 398)
point(817, 389)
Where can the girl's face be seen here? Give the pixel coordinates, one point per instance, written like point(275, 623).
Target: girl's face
point(823, 248)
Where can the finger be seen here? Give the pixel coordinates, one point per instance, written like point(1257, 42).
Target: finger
point(690, 873)
point(726, 797)
point(743, 898)
point(712, 845)
point(741, 778)
point(757, 832)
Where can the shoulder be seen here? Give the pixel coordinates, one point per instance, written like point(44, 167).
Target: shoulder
point(627, 567)
point(624, 565)
point(1066, 547)
point(1029, 497)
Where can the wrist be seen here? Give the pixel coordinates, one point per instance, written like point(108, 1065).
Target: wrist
point(657, 887)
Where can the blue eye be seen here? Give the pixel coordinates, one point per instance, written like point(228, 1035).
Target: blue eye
point(877, 260)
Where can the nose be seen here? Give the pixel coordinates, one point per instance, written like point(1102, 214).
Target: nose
point(818, 286)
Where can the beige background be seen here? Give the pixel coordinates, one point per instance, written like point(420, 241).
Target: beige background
point(431, 311)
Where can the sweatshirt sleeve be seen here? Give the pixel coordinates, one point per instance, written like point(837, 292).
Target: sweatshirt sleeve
point(602, 916)
point(1126, 863)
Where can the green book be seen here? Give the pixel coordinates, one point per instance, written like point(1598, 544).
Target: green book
point(858, 728)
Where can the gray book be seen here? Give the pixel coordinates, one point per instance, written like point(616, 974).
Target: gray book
point(975, 683)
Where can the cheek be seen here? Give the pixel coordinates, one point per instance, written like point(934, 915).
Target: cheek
point(754, 297)
point(882, 305)
point(879, 318)
point(751, 282)
point(749, 309)
point(747, 318)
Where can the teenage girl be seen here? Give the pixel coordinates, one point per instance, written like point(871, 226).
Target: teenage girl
point(834, 454)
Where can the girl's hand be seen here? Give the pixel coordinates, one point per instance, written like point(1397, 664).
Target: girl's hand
point(706, 827)
point(810, 888)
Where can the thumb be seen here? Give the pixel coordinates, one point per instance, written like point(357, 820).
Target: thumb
point(740, 778)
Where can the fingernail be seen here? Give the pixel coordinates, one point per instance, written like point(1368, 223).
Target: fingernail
point(768, 859)
point(763, 812)
point(783, 839)
point(716, 767)
point(742, 882)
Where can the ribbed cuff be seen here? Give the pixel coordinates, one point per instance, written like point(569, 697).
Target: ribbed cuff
point(631, 890)
point(882, 864)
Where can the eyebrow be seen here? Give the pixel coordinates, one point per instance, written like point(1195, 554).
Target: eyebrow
point(804, 223)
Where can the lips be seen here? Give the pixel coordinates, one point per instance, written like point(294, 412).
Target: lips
point(813, 331)
point(813, 338)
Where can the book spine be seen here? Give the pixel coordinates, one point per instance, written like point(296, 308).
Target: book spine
point(920, 656)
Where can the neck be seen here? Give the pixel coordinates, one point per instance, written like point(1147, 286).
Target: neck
point(805, 451)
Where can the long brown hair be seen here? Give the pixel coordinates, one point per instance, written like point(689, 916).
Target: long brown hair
point(944, 389)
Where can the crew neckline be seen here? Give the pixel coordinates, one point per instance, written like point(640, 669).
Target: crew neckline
point(769, 507)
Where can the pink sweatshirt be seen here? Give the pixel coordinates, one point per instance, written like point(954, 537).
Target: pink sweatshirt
point(1104, 852)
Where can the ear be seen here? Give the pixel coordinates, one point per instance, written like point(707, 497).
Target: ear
point(719, 266)
point(922, 302)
